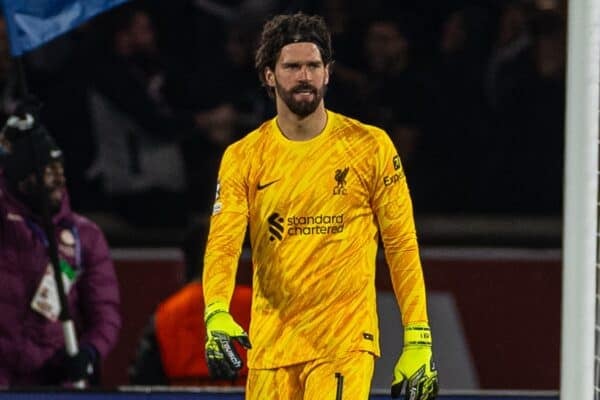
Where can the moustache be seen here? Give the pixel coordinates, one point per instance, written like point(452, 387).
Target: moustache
point(52, 188)
point(303, 88)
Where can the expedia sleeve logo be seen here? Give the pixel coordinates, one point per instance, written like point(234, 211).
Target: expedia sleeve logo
point(397, 175)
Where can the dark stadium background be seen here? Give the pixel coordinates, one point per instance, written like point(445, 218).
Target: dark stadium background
point(471, 92)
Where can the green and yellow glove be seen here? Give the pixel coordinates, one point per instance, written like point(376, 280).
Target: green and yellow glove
point(223, 360)
point(415, 369)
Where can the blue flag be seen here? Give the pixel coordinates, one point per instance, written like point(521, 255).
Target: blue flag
point(32, 23)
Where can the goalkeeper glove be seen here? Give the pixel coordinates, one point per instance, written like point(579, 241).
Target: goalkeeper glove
point(221, 330)
point(416, 368)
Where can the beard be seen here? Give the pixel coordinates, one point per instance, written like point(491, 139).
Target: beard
point(29, 194)
point(302, 108)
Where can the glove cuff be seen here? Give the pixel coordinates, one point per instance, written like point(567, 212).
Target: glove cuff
point(90, 350)
point(214, 308)
point(418, 334)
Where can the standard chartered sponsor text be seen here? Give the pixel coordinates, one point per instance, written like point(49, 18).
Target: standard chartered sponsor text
point(315, 224)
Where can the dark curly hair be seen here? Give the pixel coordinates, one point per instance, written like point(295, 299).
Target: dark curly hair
point(290, 28)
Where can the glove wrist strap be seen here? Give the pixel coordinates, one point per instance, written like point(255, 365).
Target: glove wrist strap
point(213, 309)
point(417, 335)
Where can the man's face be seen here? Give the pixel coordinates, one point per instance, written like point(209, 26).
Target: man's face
point(384, 46)
point(54, 185)
point(300, 77)
point(142, 35)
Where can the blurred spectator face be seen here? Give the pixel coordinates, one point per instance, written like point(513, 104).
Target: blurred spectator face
point(550, 56)
point(336, 13)
point(546, 4)
point(300, 77)
point(385, 46)
point(454, 34)
point(4, 50)
point(137, 38)
point(235, 49)
point(54, 185)
point(142, 33)
point(239, 46)
point(513, 24)
point(550, 51)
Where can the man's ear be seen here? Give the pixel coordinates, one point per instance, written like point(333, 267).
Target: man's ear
point(5, 144)
point(270, 77)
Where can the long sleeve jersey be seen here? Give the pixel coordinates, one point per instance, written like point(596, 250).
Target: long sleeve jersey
point(315, 209)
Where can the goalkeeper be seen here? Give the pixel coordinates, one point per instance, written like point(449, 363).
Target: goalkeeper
point(317, 190)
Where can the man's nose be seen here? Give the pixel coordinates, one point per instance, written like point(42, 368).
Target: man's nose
point(55, 177)
point(305, 74)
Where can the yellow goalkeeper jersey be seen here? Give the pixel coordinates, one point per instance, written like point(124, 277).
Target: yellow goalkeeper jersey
point(314, 210)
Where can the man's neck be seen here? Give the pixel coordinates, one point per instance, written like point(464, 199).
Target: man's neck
point(301, 129)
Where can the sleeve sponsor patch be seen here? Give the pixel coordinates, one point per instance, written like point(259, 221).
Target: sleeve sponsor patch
point(398, 173)
point(397, 163)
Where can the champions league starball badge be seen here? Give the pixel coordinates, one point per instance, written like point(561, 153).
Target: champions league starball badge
point(217, 205)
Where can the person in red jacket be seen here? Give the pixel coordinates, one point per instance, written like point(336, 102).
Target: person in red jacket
point(168, 353)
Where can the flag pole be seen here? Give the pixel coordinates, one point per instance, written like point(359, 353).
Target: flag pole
point(70, 336)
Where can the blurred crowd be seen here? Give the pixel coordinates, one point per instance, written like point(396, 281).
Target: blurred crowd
point(144, 99)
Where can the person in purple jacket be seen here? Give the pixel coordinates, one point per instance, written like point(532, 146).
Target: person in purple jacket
point(32, 346)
